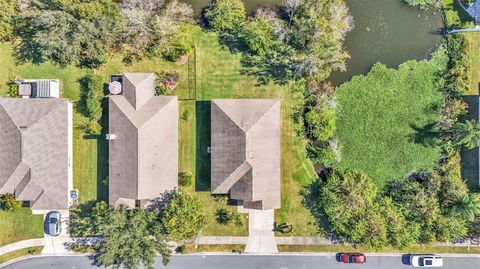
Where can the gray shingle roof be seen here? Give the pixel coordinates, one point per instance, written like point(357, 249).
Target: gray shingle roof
point(34, 151)
point(143, 157)
point(246, 151)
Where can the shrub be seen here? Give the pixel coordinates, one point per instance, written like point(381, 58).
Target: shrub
point(91, 101)
point(178, 49)
point(320, 123)
point(8, 202)
point(223, 216)
point(12, 90)
point(185, 179)
point(422, 3)
point(237, 218)
point(186, 115)
point(225, 15)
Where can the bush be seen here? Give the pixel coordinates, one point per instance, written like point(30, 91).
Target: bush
point(223, 216)
point(237, 218)
point(185, 179)
point(8, 202)
point(320, 123)
point(422, 3)
point(225, 15)
point(178, 49)
point(91, 98)
point(12, 90)
point(186, 115)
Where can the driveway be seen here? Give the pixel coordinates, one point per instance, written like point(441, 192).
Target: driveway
point(261, 238)
point(56, 245)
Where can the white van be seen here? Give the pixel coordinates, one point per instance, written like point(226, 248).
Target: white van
point(426, 260)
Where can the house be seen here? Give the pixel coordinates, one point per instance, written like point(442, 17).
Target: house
point(39, 88)
point(143, 141)
point(36, 151)
point(245, 151)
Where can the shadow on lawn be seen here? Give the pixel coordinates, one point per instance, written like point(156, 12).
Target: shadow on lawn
point(470, 157)
point(203, 158)
point(426, 135)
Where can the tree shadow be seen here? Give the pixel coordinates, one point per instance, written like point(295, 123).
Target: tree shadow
point(426, 135)
point(203, 142)
point(102, 155)
point(470, 157)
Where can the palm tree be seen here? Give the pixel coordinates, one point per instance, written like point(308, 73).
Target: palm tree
point(465, 206)
point(466, 134)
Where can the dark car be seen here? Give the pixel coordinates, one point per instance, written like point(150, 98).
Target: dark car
point(53, 223)
point(353, 258)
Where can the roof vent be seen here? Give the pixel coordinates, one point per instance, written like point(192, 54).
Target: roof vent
point(110, 136)
point(115, 87)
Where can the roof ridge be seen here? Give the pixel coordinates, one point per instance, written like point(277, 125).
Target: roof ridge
point(263, 114)
point(10, 118)
point(57, 107)
point(229, 182)
point(228, 116)
point(150, 118)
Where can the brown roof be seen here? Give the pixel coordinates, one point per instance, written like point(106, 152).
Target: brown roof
point(143, 156)
point(34, 151)
point(246, 151)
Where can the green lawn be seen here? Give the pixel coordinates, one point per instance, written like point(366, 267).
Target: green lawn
point(384, 119)
point(20, 253)
point(473, 40)
point(19, 225)
point(346, 248)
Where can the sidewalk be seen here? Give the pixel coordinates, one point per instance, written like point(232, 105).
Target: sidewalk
point(21, 245)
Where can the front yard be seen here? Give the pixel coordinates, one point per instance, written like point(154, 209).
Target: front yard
point(19, 225)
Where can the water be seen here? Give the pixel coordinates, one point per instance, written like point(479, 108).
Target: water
point(386, 31)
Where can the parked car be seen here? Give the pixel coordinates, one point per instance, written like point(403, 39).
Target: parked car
point(426, 260)
point(353, 258)
point(53, 223)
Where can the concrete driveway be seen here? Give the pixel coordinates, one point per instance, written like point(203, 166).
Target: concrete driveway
point(261, 238)
point(57, 245)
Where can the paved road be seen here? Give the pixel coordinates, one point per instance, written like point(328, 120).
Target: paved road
point(246, 261)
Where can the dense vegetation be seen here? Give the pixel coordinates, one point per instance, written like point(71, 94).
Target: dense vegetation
point(401, 131)
point(84, 32)
point(303, 38)
point(91, 102)
point(384, 119)
point(131, 237)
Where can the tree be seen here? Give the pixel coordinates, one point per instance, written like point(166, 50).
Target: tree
point(8, 202)
point(85, 218)
point(320, 123)
point(349, 202)
point(225, 15)
point(7, 12)
point(131, 237)
point(466, 134)
point(183, 216)
point(465, 206)
point(151, 26)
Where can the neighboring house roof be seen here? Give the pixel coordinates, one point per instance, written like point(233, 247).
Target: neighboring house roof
point(246, 151)
point(34, 156)
point(143, 156)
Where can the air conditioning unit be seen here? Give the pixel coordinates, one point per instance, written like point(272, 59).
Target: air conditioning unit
point(110, 136)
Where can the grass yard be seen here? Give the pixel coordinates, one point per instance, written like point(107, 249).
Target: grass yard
point(343, 248)
point(20, 253)
point(214, 248)
point(384, 120)
point(473, 40)
point(19, 225)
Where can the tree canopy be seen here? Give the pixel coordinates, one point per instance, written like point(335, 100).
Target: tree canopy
point(183, 216)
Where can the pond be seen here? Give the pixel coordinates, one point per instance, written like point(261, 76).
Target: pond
point(387, 31)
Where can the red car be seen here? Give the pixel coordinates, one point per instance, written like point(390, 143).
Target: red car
point(353, 258)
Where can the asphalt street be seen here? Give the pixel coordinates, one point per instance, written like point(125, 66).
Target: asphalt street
point(247, 261)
